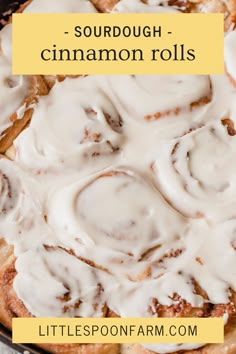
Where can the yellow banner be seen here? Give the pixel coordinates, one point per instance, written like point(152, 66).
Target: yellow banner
point(118, 44)
point(118, 330)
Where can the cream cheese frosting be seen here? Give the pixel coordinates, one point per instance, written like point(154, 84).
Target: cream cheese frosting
point(124, 189)
point(15, 89)
point(91, 135)
point(138, 6)
point(62, 6)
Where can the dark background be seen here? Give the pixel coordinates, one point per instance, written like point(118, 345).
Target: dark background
point(6, 8)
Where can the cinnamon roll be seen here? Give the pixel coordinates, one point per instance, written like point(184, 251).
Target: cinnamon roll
point(19, 212)
point(122, 247)
point(18, 94)
point(65, 299)
point(92, 131)
point(199, 187)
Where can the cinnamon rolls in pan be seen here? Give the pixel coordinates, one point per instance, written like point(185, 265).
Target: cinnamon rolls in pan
point(119, 191)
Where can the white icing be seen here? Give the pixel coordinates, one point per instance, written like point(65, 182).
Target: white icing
point(21, 111)
point(100, 176)
point(17, 188)
point(135, 224)
point(13, 91)
point(86, 212)
point(6, 41)
point(230, 53)
point(86, 137)
point(162, 348)
point(172, 92)
point(83, 285)
point(138, 6)
point(62, 6)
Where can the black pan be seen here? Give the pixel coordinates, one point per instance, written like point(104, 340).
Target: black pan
point(7, 7)
point(5, 337)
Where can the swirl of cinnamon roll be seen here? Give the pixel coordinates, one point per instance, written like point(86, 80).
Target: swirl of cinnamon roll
point(36, 283)
point(9, 191)
point(92, 128)
point(70, 294)
point(14, 90)
point(185, 282)
point(20, 215)
point(113, 220)
point(195, 172)
point(17, 93)
point(152, 97)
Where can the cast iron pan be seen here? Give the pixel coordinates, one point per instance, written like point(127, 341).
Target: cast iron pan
point(6, 8)
point(5, 337)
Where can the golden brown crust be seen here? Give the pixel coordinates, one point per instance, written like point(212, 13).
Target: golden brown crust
point(82, 348)
point(202, 101)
